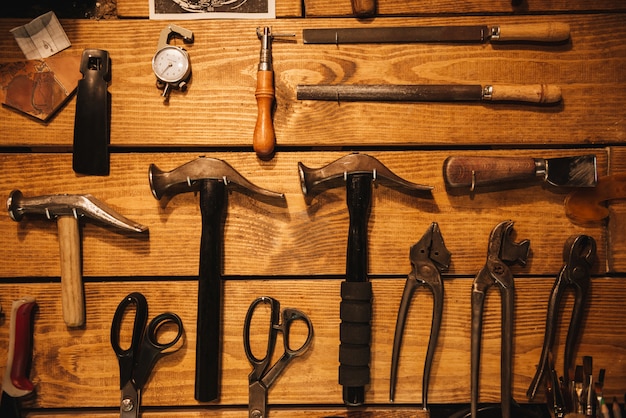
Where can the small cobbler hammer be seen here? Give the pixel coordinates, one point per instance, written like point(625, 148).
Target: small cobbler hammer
point(359, 172)
point(67, 209)
point(210, 177)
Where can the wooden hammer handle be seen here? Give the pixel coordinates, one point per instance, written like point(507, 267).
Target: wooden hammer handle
point(264, 137)
point(72, 295)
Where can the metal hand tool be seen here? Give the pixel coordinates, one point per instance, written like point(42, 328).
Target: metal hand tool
point(530, 93)
point(528, 32)
point(358, 171)
point(263, 374)
point(264, 137)
point(67, 210)
point(16, 383)
point(469, 172)
point(501, 252)
point(209, 176)
point(92, 120)
point(579, 253)
point(136, 362)
point(429, 256)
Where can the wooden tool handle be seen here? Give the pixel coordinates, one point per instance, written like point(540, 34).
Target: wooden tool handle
point(72, 295)
point(531, 93)
point(481, 171)
point(364, 8)
point(264, 137)
point(535, 32)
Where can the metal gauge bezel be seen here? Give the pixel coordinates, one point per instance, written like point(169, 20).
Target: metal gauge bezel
point(181, 57)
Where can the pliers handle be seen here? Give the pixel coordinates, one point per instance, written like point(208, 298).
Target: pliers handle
point(429, 256)
point(501, 252)
point(579, 253)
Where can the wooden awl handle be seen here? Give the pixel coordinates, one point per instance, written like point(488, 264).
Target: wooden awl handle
point(481, 171)
point(364, 8)
point(72, 295)
point(264, 138)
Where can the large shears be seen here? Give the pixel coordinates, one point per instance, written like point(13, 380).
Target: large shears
point(579, 253)
point(502, 251)
point(137, 361)
point(429, 256)
point(263, 375)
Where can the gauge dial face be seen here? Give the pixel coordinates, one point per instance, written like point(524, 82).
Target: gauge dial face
point(171, 64)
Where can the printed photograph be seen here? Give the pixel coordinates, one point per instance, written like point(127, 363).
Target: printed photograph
point(212, 9)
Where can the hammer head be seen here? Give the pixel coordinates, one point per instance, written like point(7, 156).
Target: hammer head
point(188, 177)
point(353, 164)
point(77, 206)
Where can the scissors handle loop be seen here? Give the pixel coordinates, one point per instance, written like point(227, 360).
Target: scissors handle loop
point(289, 316)
point(128, 357)
point(271, 338)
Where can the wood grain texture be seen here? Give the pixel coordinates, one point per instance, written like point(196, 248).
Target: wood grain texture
point(303, 238)
point(219, 108)
point(77, 367)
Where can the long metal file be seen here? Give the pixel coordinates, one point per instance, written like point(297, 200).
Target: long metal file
point(530, 32)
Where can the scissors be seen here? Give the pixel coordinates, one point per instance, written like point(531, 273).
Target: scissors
point(137, 361)
point(263, 375)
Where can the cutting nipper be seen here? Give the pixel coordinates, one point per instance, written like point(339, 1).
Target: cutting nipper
point(502, 251)
point(429, 256)
point(579, 253)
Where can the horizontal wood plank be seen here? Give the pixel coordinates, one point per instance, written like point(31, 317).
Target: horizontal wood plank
point(77, 367)
point(219, 108)
point(303, 238)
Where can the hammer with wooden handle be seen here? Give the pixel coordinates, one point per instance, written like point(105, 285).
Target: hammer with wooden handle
point(359, 171)
point(67, 209)
point(210, 177)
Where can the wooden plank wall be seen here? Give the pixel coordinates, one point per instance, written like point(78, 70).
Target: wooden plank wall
point(296, 253)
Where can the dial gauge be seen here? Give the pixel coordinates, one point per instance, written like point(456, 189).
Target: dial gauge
point(171, 64)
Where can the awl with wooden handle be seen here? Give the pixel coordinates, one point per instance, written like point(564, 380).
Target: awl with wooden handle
point(471, 172)
point(16, 383)
point(264, 138)
point(530, 93)
point(527, 32)
point(364, 8)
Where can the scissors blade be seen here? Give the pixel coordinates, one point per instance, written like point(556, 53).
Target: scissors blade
point(130, 401)
point(257, 400)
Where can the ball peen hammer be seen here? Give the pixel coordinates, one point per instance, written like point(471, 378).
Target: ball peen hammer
point(359, 172)
point(67, 210)
point(210, 177)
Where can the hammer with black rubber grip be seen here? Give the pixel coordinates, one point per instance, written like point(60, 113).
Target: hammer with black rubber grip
point(359, 172)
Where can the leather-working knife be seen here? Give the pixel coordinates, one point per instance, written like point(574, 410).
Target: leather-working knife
point(471, 172)
point(527, 32)
point(16, 383)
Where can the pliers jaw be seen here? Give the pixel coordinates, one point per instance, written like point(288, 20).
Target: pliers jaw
point(502, 251)
point(579, 253)
point(429, 257)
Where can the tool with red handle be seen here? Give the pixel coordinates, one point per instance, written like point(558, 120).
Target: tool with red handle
point(16, 383)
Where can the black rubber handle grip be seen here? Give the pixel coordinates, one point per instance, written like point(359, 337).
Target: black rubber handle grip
point(208, 341)
point(354, 351)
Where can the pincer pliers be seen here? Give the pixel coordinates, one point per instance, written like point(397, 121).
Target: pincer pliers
point(502, 251)
point(579, 253)
point(429, 256)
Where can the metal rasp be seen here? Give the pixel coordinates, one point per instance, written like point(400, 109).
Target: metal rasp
point(528, 32)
